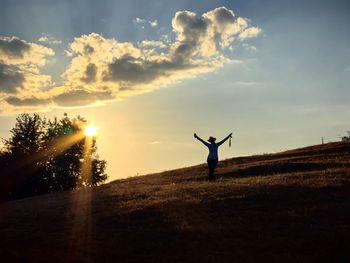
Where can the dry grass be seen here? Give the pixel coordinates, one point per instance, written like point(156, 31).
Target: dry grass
point(287, 207)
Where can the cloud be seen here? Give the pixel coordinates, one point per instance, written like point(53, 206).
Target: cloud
point(90, 73)
point(133, 70)
point(250, 33)
point(155, 142)
point(67, 97)
point(13, 47)
point(15, 51)
point(91, 56)
point(81, 97)
point(152, 43)
point(104, 69)
point(249, 47)
point(143, 22)
point(153, 23)
point(10, 79)
point(205, 35)
point(246, 83)
point(68, 53)
point(49, 40)
point(20, 64)
point(32, 101)
point(138, 20)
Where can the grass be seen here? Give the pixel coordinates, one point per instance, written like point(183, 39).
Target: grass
point(292, 206)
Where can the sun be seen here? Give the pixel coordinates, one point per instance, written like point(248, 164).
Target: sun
point(90, 130)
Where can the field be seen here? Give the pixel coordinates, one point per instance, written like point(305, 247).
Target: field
point(292, 206)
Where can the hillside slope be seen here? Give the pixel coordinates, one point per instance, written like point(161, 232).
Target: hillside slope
point(292, 206)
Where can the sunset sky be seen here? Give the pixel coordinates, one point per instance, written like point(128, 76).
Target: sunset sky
point(148, 74)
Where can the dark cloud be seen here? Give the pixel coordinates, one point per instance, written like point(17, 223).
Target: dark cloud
point(88, 49)
point(81, 97)
point(130, 69)
point(90, 73)
point(191, 29)
point(10, 78)
point(68, 99)
point(14, 101)
point(13, 46)
point(190, 26)
point(183, 52)
point(222, 16)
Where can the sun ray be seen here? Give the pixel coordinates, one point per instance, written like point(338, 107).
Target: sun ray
point(79, 214)
point(52, 149)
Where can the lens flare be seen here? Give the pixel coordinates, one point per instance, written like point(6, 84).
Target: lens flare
point(90, 130)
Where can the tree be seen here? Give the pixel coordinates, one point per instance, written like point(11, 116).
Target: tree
point(22, 171)
point(45, 156)
point(68, 152)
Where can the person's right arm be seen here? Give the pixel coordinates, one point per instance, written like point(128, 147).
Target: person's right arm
point(200, 139)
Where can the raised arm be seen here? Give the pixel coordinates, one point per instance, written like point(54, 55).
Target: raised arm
point(200, 139)
point(225, 139)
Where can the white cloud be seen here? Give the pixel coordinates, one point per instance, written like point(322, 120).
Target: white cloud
point(143, 22)
point(155, 142)
point(153, 23)
point(68, 53)
point(246, 83)
point(49, 40)
point(152, 43)
point(249, 47)
point(138, 20)
point(250, 33)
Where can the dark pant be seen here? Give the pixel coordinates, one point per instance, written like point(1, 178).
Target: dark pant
point(211, 166)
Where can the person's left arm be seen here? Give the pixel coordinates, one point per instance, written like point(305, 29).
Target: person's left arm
point(225, 139)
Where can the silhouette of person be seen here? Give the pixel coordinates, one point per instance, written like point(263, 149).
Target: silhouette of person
point(213, 157)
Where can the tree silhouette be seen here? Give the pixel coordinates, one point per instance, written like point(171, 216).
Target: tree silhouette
point(21, 174)
point(45, 156)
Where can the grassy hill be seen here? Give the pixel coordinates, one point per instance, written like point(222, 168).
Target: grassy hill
point(292, 206)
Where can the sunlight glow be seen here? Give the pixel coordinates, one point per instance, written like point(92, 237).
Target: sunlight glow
point(90, 130)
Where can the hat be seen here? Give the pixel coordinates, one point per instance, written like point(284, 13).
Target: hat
point(211, 139)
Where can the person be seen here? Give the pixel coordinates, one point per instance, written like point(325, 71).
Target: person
point(213, 157)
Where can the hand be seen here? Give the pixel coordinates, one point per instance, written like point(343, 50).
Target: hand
point(230, 135)
point(195, 135)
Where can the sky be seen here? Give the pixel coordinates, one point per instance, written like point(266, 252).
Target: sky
point(148, 74)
